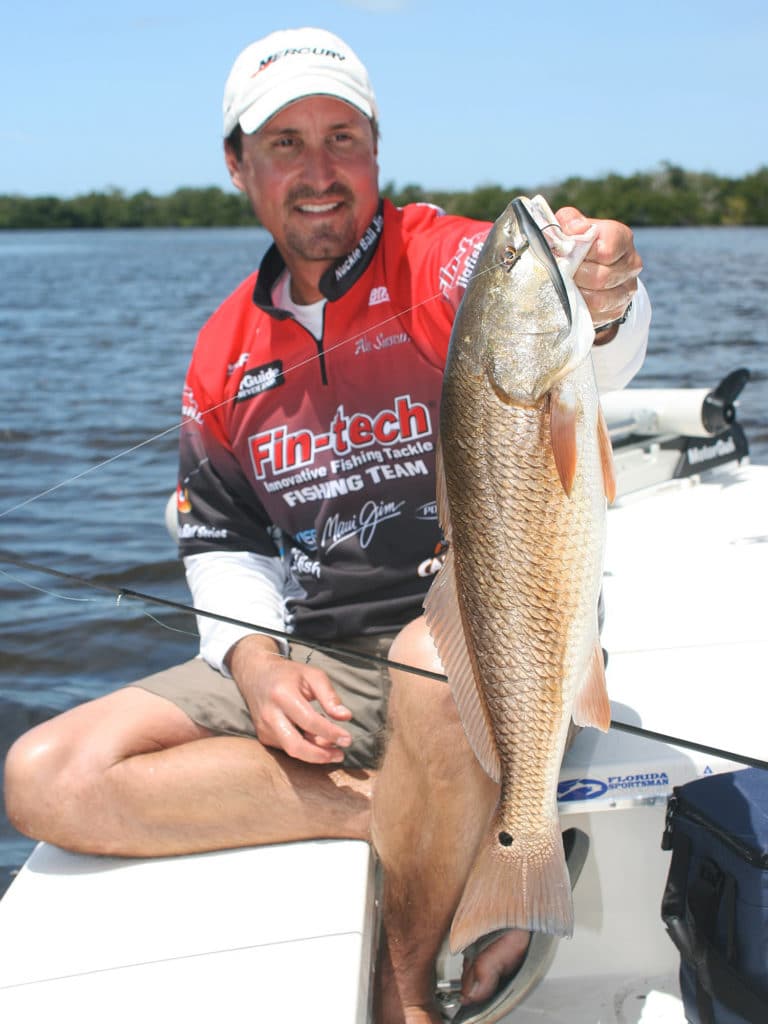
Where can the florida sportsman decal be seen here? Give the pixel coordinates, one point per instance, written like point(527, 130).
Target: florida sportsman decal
point(282, 451)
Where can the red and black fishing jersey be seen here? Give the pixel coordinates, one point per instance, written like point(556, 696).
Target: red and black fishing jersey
point(322, 453)
point(319, 455)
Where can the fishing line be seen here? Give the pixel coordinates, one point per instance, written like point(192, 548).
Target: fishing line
point(42, 590)
point(91, 469)
point(164, 625)
point(226, 401)
point(335, 651)
point(279, 634)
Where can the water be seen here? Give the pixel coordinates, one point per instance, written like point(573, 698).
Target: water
point(96, 329)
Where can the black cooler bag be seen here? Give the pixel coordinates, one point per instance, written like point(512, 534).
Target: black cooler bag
point(715, 904)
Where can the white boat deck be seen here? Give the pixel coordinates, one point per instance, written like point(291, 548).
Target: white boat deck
point(279, 934)
point(285, 934)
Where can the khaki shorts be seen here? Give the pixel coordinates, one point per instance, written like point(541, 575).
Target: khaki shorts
point(214, 702)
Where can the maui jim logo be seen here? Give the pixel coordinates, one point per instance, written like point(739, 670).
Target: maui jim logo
point(294, 51)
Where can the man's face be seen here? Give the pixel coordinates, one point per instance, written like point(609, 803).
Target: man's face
point(312, 178)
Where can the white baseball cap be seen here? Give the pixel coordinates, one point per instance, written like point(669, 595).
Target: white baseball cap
point(289, 65)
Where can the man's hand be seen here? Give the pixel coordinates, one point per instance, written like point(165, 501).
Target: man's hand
point(279, 695)
point(608, 276)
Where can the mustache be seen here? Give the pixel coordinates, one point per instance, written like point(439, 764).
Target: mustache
point(335, 191)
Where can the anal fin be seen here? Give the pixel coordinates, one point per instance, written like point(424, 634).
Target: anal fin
point(591, 706)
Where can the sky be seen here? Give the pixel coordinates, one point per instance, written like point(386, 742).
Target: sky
point(128, 95)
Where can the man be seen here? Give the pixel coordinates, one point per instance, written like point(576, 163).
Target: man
point(307, 506)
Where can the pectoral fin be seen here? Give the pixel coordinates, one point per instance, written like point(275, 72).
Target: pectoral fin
point(562, 426)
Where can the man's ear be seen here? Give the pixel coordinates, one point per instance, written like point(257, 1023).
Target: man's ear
point(233, 165)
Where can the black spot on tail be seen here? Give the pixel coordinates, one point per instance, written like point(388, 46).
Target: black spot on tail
point(505, 839)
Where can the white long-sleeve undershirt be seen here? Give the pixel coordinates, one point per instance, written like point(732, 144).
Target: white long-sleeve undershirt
point(241, 585)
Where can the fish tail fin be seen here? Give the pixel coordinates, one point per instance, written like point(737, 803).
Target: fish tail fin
point(521, 885)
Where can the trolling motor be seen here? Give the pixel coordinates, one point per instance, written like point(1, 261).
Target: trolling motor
point(690, 412)
point(718, 410)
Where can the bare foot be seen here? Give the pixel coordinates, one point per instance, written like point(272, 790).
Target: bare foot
point(482, 975)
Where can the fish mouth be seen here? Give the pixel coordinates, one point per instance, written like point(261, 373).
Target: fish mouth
point(540, 250)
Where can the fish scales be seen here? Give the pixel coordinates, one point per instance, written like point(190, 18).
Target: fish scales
point(524, 569)
point(520, 511)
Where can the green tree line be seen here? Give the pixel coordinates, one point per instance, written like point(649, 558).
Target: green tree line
point(667, 196)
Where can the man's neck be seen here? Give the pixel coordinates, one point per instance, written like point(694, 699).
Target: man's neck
point(305, 281)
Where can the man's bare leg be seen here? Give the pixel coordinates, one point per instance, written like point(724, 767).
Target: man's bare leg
point(131, 775)
point(431, 804)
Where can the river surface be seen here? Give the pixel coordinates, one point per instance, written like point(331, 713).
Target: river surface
point(96, 329)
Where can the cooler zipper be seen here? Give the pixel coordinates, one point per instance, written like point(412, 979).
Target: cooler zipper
point(677, 806)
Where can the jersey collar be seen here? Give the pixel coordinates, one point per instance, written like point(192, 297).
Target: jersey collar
point(336, 280)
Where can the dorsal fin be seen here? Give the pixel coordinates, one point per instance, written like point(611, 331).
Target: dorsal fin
point(444, 619)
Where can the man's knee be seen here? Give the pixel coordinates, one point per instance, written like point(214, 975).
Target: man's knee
point(55, 768)
point(32, 768)
point(413, 645)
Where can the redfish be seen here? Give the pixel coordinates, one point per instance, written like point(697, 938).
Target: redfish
point(524, 469)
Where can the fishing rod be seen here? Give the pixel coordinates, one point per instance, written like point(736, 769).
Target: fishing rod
point(334, 650)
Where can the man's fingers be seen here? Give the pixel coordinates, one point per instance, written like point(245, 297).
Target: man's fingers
point(613, 245)
point(303, 715)
point(572, 221)
point(282, 733)
point(321, 689)
point(608, 305)
point(607, 277)
point(594, 276)
point(283, 698)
